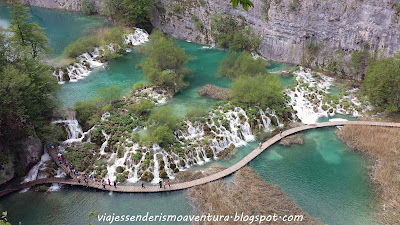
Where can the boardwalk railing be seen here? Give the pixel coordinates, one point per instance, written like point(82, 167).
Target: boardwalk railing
point(189, 184)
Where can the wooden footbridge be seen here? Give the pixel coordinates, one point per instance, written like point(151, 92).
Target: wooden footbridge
point(181, 186)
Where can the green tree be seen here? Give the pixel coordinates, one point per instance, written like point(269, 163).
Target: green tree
point(359, 62)
point(82, 45)
point(3, 219)
point(129, 12)
point(137, 11)
point(234, 65)
point(262, 90)
point(231, 33)
point(382, 84)
point(162, 135)
point(88, 7)
point(115, 36)
point(245, 4)
point(142, 106)
point(166, 63)
point(164, 116)
point(85, 110)
point(27, 35)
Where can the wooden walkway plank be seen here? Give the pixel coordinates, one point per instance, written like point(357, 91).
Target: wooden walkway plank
point(189, 184)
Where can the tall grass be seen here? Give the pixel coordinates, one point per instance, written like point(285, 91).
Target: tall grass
point(383, 145)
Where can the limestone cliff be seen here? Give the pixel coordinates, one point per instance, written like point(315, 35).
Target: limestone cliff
point(287, 26)
point(15, 161)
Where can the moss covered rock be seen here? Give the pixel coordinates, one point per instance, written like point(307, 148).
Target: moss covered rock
point(147, 176)
point(120, 169)
point(163, 174)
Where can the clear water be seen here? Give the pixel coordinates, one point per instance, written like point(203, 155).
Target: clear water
point(71, 205)
point(287, 80)
point(121, 72)
point(323, 176)
point(62, 28)
point(333, 90)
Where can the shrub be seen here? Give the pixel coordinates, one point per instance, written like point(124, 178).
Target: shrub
point(166, 63)
point(229, 33)
point(196, 114)
point(382, 84)
point(262, 90)
point(236, 64)
point(142, 106)
point(88, 7)
point(82, 45)
point(120, 177)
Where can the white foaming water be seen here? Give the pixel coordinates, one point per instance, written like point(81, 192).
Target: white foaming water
point(33, 173)
point(57, 186)
point(90, 60)
point(156, 171)
point(308, 112)
point(137, 38)
point(105, 143)
point(75, 133)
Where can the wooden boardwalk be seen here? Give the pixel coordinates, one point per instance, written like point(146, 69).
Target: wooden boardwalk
point(189, 184)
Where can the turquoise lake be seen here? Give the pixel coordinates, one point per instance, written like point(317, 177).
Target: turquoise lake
point(323, 176)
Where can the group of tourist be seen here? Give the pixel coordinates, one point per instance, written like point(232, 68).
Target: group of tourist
point(78, 176)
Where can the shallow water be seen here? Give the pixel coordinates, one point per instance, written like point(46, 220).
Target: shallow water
point(323, 176)
point(62, 28)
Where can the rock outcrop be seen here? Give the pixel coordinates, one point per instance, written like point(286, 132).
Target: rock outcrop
point(27, 154)
point(215, 92)
point(286, 27)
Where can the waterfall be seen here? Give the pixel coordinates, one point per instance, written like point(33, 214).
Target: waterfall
point(90, 60)
point(137, 38)
point(105, 143)
point(305, 108)
point(156, 171)
point(75, 133)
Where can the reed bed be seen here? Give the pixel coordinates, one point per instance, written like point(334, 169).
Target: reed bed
point(383, 145)
point(247, 192)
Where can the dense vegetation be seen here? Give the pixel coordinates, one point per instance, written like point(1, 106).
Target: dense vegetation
point(236, 64)
point(262, 90)
point(382, 84)
point(129, 12)
point(27, 88)
point(166, 63)
point(233, 34)
point(103, 37)
point(82, 45)
point(252, 84)
point(88, 112)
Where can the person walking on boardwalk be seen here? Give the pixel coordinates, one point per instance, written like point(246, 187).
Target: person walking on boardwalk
point(280, 132)
point(109, 182)
point(259, 144)
point(169, 183)
point(160, 182)
point(142, 184)
point(115, 184)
